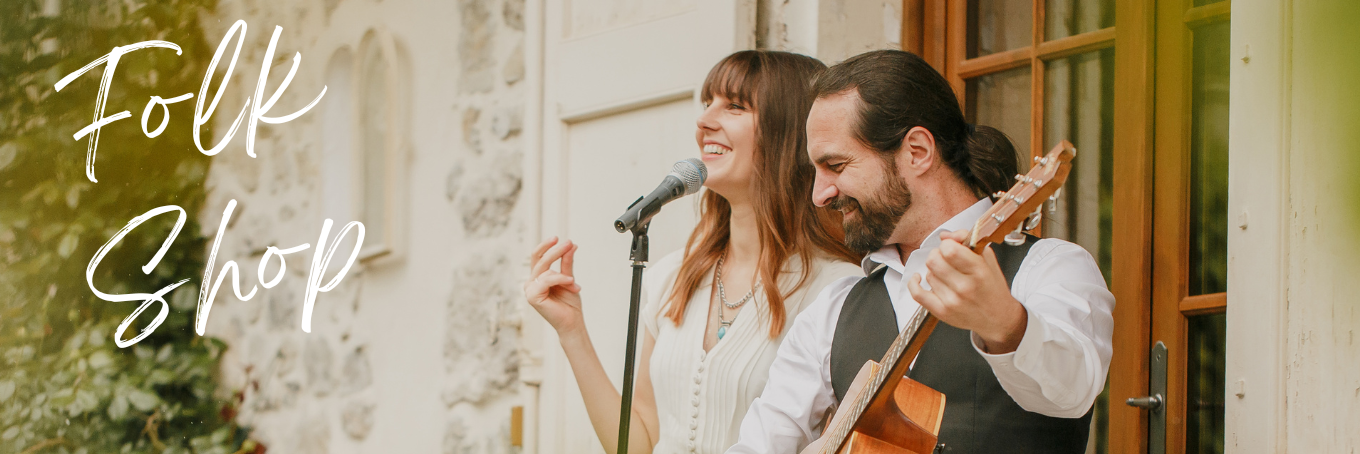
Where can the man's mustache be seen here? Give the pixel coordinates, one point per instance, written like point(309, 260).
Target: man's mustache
point(841, 202)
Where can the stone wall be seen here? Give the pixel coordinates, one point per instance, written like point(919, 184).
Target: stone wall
point(419, 349)
point(416, 350)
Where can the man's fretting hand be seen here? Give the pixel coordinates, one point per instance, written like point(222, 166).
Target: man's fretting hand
point(968, 291)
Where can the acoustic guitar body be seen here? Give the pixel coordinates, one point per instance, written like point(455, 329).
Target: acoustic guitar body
point(907, 423)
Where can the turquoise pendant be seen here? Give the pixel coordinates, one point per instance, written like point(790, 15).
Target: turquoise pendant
point(722, 331)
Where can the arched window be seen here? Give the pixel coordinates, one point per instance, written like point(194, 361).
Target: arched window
point(338, 200)
point(362, 142)
point(375, 144)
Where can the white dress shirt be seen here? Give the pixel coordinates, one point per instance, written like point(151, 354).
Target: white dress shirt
point(1058, 369)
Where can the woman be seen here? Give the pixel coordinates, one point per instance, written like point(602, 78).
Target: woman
point(715, 312)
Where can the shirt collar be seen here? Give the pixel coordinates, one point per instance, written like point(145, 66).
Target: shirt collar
point(888, 255)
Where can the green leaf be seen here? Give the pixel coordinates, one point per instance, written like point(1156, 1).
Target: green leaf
point(118, 407)
point(68, 245)
point(6, 390)
point(84, 401)
point(142, 400)
point(159, 377)
point(100, 359)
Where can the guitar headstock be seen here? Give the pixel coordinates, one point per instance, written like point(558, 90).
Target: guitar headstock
point(1010, 209)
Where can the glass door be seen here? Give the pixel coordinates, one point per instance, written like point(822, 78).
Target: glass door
point(1043, 71)
point(1189, 300)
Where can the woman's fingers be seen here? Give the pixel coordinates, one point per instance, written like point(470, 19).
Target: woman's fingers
point(552, 255)
point(541, 289)
point(568, 261)
point(542, 247)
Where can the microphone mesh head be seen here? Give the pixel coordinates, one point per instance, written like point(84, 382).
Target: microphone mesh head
point(692, 172)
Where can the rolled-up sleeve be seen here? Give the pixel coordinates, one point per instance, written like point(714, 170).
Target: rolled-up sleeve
point(1061, 363)
point(788, 413)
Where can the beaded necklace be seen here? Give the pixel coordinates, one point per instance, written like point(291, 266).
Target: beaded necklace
point(722, 295)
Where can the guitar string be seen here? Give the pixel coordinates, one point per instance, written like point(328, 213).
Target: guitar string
point(894, 353)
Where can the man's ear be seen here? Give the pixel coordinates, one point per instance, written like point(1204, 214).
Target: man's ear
point(918, 154)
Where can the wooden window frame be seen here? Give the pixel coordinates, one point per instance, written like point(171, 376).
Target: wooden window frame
point(1151, 260)
point(937, 30)
point(958, 69)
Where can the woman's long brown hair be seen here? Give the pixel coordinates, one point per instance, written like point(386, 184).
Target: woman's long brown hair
point(779, 87)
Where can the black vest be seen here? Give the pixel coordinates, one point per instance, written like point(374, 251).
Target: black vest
point(979, 416)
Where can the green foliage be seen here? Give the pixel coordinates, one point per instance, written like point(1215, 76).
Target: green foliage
point(64, 385)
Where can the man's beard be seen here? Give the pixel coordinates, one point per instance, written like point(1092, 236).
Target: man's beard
point(876, 218)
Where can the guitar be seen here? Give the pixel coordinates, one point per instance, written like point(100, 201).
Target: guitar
point(885, 412)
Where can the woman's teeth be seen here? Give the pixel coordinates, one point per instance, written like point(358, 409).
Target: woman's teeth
point(715, 149)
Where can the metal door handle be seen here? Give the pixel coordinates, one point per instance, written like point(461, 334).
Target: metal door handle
point(1150, 403)
point(1156, 403)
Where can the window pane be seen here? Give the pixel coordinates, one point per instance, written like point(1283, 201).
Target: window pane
point(1065, 18)
point(1204, 384)
point(374, 126)
point(1079, 107)
point(1209, 161)
point(999, 25)
point(1001, 100)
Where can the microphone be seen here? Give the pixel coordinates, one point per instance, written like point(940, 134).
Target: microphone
point(685, 178)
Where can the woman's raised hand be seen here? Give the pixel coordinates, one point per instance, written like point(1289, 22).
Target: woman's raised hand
point(554, 294)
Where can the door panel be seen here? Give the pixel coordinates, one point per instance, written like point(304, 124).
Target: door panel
point(620, 80)
point(1190, 229)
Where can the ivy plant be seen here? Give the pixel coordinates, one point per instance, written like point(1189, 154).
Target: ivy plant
point(64, 386)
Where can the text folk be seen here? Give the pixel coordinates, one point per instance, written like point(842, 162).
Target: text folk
point(254, 112)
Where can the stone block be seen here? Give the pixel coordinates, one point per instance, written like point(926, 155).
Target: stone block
point(283, 308)
point(317, 360)
point(472, 135)
point(507, 122)
point(513, 11)
point(357, 419)
point(452, 182)
point(357, 373)
point(476, 41)
point(481, 347)
point(513, 71)
point(486, 201)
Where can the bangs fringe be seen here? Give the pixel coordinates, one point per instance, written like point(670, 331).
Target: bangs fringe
point(735, 77)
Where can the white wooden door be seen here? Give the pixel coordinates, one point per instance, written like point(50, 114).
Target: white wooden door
point(620, 78)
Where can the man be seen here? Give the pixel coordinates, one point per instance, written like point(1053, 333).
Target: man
point(1020, 364)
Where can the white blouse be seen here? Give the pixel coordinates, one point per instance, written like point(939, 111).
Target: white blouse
point(701, 397)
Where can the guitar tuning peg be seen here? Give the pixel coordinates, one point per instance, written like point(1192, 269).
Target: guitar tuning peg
point(1036, 159)
point(998, 194)
point(1034, 220)
point(1019, 177)
point(1057, 193)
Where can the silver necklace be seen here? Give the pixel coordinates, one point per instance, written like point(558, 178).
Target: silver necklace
point(722, 296)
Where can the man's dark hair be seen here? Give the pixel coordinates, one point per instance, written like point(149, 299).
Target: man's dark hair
point(899, 91)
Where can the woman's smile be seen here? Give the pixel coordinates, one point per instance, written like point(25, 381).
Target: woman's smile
point(712, 151)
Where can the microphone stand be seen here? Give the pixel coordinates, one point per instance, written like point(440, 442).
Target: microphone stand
point(638, 254)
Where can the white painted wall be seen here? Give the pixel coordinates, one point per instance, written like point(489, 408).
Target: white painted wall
point(416, 351)
point(1293, 364)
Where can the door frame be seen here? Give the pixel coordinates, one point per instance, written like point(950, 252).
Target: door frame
point(936, 31)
